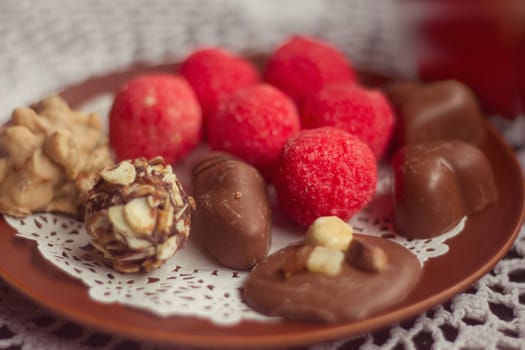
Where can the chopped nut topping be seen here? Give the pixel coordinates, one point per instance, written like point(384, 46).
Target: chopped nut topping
point(122, 174)
point(165, 218)
point(156, 161)
point(138, 244)
point(116, 217)
point(167, 249)
point(140, 216)
point(297, 262)
point(366, 256)
point(330, 232)
point(154, 201)
point(62, 149)
point(139, 190)
point(325, 260)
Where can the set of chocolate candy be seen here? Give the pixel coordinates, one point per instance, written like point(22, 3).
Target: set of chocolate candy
point(440, 176)
point(440, 173)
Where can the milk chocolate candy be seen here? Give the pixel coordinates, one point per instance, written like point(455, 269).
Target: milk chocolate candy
point(436, 184)
point(443, 110)
point(350, 295)
point(233, 215)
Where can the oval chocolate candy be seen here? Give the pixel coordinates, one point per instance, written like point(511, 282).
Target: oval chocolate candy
point(232, 220)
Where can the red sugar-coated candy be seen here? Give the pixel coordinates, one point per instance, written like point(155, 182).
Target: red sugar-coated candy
point(323, 172)
point(214, 74)
point(253, 124)
point(155, 115)
point(303, 65)
point(362, 112)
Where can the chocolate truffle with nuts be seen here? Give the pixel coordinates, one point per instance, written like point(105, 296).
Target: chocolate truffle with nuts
point(138, 214)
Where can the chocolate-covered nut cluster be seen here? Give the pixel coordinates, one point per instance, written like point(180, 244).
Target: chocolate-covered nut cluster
point(50, 156)
point(233, 216)
point(138, 214)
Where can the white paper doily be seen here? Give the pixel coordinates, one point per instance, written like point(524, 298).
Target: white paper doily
point(190, 283)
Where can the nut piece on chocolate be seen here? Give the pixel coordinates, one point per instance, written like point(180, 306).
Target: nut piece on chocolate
point(328, 244)
point(138, 214)
point(366, 256)
point(233, 216)
point(50, 156)
point(437, 111)
point(330, 232)
point(436, 184)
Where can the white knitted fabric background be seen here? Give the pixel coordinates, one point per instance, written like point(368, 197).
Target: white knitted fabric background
point(49, 44)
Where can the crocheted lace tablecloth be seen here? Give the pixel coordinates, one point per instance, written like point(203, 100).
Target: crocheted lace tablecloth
point(46, 45)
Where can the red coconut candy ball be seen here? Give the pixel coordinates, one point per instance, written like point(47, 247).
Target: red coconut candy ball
point(214, 74)
point(359, 111)
point(324, 172)
point(155, 115)
point(253, 124)
point(303, 65)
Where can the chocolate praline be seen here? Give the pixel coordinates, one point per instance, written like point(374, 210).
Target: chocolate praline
point(436, 184)
point(436, 111)
point(348, 296)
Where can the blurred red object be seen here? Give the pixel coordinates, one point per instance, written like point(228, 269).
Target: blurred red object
point(480, 42)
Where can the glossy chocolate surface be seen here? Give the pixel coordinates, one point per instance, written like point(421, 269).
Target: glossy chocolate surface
point(233, 216)
point(436, 184)
point(351, 295)
point(443, 110)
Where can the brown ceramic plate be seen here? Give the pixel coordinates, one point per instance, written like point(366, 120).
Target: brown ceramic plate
point(486, 238)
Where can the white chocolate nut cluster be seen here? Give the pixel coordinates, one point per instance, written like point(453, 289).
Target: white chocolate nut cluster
point(138, 214)
point(50, 156)
point(329, 244)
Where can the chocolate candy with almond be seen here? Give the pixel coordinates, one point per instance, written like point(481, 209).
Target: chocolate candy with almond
point(233, 215)
point(316, 291)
